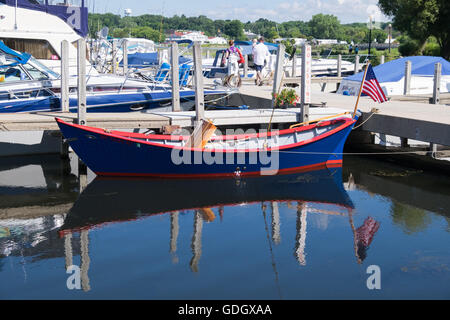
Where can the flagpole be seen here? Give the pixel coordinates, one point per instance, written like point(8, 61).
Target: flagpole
point(360, 89)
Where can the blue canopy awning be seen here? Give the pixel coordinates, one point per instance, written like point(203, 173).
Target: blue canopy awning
point(21, 58)
point(394, 71)
point(141, 60)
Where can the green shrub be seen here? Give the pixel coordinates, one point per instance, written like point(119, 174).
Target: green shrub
point(409, 48)
point(432, 49)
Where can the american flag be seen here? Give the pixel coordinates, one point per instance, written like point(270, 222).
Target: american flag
point(371, 87)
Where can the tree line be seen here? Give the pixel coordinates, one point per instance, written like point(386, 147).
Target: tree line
point(156, 27)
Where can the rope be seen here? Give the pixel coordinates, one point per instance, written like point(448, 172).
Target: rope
point(226, 96)
point(357, 153)
point(3, 127)
point(368, 118)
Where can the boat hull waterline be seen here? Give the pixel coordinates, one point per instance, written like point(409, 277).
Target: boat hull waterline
point(114, 153)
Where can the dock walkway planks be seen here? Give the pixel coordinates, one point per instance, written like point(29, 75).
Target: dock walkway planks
point(46, 120)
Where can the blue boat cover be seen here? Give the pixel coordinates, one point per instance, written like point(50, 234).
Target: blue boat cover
point(142, 60)
point(394, 71)
point(21, 58)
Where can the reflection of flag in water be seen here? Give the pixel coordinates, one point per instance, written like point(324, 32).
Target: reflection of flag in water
point(364, 236)
point(372, 87)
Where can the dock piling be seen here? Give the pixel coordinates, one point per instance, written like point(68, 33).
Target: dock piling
point(175, 76)
point(278, 72)
point(294, 67)
point(246, 66)
point(81, 82)
point(65, 76)
point(114, 58)
point(305, 96)
point(125, 57)
point(356, 64)
point(437, 83)
point(198, 81)
point(407, 85)
point(339, 70)
point(339, 66)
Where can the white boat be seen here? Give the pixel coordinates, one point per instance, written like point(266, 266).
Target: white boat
point(30, 28)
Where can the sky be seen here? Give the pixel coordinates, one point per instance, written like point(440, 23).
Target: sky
point(347, 11)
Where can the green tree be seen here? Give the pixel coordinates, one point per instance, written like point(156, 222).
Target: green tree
point(234, 29)
point(411, 220)
point(121, 33)
point(147, 33)
point(421, 19)
point(325, 26)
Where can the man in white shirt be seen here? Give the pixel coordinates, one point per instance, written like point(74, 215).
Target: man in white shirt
point(260, 54)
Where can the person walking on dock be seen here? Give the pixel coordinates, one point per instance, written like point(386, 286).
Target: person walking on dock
point(232, 56)
point(260, 53)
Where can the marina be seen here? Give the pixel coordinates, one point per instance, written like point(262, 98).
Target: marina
point(185, 170)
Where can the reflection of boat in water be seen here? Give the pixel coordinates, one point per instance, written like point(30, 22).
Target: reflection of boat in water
point(35, 185)
point(35, 194)
point(112, 200)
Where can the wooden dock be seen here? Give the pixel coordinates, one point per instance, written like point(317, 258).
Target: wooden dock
point(419, 121)
point(46, 120)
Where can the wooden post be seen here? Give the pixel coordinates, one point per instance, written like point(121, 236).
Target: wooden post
point(175, 74)
point(407, 86)
point(85, 260)
point(65, 76)
point(198, 80)
point(68, 251)
point(174, 230)
point(356, 64)
point(305, 96)
point(339, 70)
point(246, 66)
point(81, 82)
point(382, 59)
point(339, 65)
point(114, 58)
point(300, 243)
point(207, 53)
point(276, 234)
point(196, 243)
point(125, 57)
point(437, 83)
point(278, 72)
point(294, 67)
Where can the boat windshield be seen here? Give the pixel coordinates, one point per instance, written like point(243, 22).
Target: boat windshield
point(40, 71)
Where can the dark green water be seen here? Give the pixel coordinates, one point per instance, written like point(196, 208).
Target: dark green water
point(312, 235)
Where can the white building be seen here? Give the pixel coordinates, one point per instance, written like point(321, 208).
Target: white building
point(329, 41)
point(188, 35)
point(297, 41)
point(216, 40)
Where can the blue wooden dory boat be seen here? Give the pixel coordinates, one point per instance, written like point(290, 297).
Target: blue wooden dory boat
point(115, 153)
